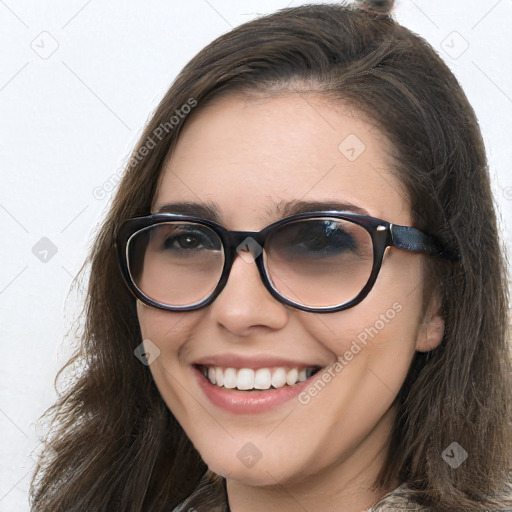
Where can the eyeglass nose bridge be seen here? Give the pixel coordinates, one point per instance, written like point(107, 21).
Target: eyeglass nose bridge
point(246, 244)
point(249, 245)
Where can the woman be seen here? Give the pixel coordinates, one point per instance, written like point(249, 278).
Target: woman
point(297, 300)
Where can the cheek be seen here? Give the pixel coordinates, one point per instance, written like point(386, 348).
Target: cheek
point(372, 345)
point(380, 332)
point(169, 331)
point(376, 324)
point(165, 328)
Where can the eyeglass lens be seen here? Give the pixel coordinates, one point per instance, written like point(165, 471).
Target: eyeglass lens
point(318, 262)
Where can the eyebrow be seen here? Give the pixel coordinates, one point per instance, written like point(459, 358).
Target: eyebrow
point(210, 210)
point(207, 210)
point(294, 207)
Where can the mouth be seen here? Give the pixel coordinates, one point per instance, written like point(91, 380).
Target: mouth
point(253, 385)
point(256, 379)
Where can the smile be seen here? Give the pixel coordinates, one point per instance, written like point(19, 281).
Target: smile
point(246, 379)
point(246, 390)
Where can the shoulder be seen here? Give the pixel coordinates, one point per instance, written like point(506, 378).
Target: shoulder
point(398, 499)
point(401, 499)
point(210, 496)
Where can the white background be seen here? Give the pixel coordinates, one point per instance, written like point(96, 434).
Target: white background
point(69, 120)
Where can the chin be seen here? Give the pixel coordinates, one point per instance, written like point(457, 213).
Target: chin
point(248, 466)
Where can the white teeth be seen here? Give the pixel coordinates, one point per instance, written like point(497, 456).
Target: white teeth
point(219, 376)
point(245, 379)
point(279, 378)
point(230, 378)
point(263, 378)
point(292, 376)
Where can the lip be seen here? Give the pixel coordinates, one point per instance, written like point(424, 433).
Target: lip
point(254, 362)
point(249, 402)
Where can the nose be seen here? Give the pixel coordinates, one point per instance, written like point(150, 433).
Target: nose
point(245, 304)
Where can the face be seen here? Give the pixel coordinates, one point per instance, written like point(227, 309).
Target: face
point(245, 156)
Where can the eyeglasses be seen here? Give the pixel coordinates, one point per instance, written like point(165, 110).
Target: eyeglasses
point(320, 262)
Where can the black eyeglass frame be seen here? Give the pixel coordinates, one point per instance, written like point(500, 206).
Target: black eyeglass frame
point(383, 234)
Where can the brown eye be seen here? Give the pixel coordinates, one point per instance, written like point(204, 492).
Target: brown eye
point(184, 238)
point(182, 242)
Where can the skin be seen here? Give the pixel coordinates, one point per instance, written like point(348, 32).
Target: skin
point(245, 153)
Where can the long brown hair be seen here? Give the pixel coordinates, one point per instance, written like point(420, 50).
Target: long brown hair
point(118, 447)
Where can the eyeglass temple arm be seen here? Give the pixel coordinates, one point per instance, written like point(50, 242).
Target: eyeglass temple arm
point(411, 239)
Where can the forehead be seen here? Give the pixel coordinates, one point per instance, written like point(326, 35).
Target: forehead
point(251, 159)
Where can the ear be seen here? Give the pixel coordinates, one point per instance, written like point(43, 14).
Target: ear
point(431, 329)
